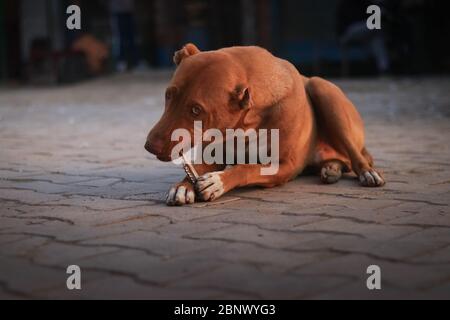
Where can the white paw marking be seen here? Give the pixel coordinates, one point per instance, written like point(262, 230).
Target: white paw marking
point(330, 175)
point(210, 186)
point(371, 178)
point(190, 197)
point(180, 195)
point(171, 196)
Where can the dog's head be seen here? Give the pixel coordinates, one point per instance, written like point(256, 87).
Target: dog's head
point(207, 86)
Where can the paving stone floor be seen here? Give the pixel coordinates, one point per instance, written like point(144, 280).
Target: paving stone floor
point(77, 187)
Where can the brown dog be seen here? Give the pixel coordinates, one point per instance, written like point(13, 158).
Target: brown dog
point(247, 87)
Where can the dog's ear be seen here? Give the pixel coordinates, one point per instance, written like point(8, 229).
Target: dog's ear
point(187, 51)
point(242, 96)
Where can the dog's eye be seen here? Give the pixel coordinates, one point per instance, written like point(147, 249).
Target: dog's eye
point(196, 110)
point(168, 95)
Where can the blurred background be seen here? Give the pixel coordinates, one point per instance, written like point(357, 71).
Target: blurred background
point(78, 187)
point(321, 37)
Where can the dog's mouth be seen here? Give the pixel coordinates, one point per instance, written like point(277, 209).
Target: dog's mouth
point(191, 154)
point(164, 158)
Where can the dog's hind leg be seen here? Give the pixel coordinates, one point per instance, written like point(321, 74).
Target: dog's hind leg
point(368, 156)
point(341, 126)
point(331, 171)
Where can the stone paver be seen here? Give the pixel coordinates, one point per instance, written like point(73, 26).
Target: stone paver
point(77, 187)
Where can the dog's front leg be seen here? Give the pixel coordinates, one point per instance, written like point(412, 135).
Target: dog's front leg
point(183, 192)
point(212, 185)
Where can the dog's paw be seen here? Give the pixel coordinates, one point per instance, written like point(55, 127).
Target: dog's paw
point(331, 172)
point(181, 194)
point(371, 178)
point(210, 186)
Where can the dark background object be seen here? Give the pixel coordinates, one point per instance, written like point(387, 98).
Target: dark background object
point(307, 33)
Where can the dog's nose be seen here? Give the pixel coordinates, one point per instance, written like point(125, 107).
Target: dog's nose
point(153, 148)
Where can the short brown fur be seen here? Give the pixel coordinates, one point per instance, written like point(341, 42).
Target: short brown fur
point(248, 87)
